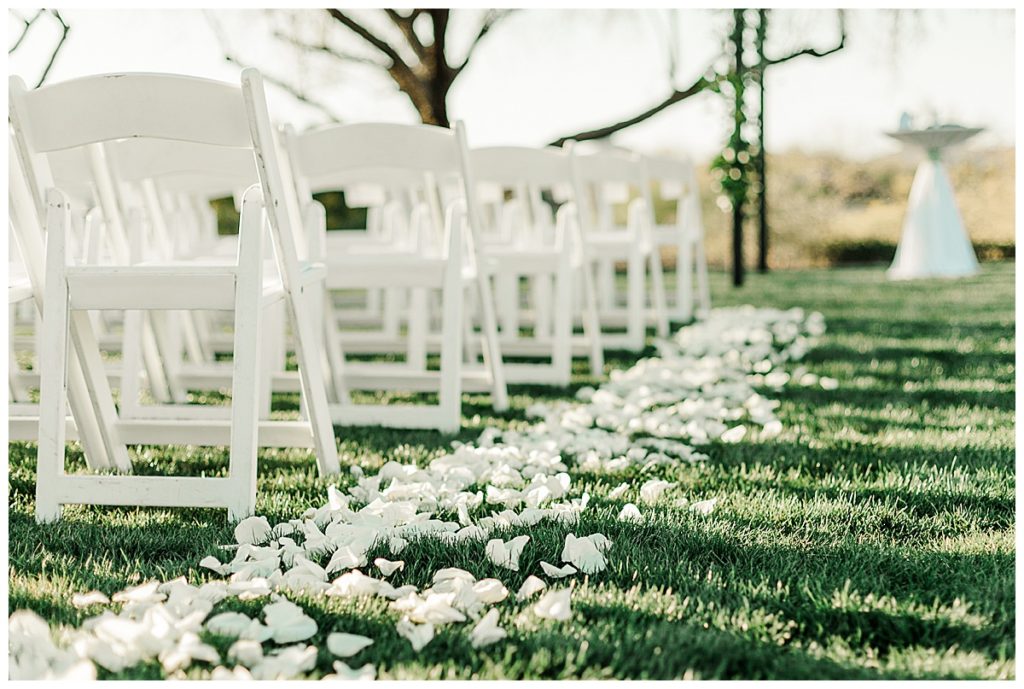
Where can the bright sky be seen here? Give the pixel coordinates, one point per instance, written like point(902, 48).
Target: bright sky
point(545, 73)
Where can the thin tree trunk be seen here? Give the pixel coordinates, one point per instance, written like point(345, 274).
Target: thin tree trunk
point(762, 151)
point(737, 203)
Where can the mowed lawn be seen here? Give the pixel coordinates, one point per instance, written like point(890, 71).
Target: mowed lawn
point(874, 538)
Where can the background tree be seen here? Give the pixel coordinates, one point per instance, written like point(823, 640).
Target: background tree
point(411, 46)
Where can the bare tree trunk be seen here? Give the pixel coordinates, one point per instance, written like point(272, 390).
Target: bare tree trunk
point(739, 23)
point(762, 151)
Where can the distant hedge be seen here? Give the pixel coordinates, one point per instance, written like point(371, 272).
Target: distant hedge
point(860, 251)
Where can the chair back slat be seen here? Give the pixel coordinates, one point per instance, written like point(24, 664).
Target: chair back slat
point(512, 165)
point(611, 166)
point(137, 159)
point(335, 149)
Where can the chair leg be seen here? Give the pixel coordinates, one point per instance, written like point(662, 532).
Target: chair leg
point(168, 346)
point(449, 396)
point(334, 352)
point(53, 362)
point(541, 287)
point(507, 302)
point(635, 302)
point(492, 349)
point(314, 392)
point(684, 280)
point(591, 319)
point(271, 356)
point(155, 374)
point(246, 377)
point(605, 272)
point(416, 352)
point(131, 363)
point(658, 304)
point(703, 287)
point(561, 355)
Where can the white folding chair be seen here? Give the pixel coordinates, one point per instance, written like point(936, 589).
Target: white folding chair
point(441, 256)
point(604, 180)
point(522, 238)
point(677, 182)
point(87, 112)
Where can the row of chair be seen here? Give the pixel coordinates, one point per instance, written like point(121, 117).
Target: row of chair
point(499, 262)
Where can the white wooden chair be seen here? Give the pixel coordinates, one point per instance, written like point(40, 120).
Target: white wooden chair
point(88, 112)
point(677, 182)
point(603, 180)
point(522, 238)
point(441, 258)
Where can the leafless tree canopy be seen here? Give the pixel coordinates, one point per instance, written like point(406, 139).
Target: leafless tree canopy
point(412, 47)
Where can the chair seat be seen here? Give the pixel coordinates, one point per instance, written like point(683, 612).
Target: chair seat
point(172, 285)
point(385, 270)
point(521, 261)
point(613, 243)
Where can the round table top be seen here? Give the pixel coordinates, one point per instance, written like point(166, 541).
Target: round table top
point(935, 137)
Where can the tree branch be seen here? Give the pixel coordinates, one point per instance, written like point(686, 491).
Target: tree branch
point(813, 52)
point(491, 18)
point(296, 93)
point(675, 97)
point(24, 31)
point(700, 85)
point(327, 50)
point(408, 81)
point(60, 44)
point(405, 25)
point(365, 34)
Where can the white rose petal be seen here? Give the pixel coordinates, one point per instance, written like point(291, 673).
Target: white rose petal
point(557, 572)
point(705, 507)
point(344, 672)
point(387, 567)
point(630, 513)
point(419, 635)
point(734, 434)
point(252, 530)
point(347, 645)
point(532, 586)
point(487, 631)
point(653, 489)
point(84, 600)
point(506, 553)
point(554, 605)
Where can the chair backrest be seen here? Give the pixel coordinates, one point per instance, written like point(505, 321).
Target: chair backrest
point(96, 110)
point(398, 156)
point(674, 176)
point(511, 182)
point(337, 149)
point(512, 165)
point(88, 112)
point(604, 178)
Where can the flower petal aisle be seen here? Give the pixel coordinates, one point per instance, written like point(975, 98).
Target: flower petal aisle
point(705, 385)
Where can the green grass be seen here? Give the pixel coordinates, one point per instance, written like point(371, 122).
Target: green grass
point(873, 539)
